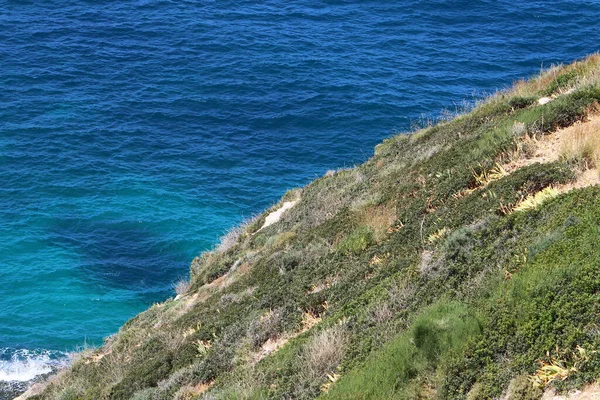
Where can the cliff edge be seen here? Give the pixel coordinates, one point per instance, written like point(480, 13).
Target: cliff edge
point(459, 262)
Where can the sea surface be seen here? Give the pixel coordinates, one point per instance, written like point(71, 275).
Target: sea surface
point(134, 133)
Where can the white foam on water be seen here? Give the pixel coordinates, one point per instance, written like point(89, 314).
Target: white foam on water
point(22, 365)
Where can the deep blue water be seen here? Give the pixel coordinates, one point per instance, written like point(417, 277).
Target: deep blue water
point(134, 133)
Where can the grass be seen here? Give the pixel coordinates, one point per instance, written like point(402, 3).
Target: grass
point(583, 145)
point(321, 356)
point(379, 218)
point(181, 287)
point(357, 241)
point(401, 369)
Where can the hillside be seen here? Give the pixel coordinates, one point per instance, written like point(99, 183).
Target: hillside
point(459, 262)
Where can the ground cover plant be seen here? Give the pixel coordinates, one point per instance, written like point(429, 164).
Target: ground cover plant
point(459, 262)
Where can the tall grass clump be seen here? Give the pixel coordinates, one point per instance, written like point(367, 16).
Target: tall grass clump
point(324, 352)
point(583, 145)
point(181, 287)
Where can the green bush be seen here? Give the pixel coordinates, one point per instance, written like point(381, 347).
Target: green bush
point(521, 102)
point(439, 334)
point(522, 389)
point(562, 81)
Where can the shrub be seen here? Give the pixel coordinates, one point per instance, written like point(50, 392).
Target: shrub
point(210, 266)
point(561, 82)
point(567, 109)
point(443, 330)
point(69, 394)
point(146, 394)
point(517, 102)
point(459, 244)
point(531, 277)
point(521, 388)
point(281, 240)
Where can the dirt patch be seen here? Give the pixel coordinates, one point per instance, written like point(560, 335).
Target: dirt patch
point(551, 147)
point(309, 320)
point(275, 216)
point(591, 392)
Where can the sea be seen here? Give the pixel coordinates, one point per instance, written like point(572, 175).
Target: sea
point(135, 133)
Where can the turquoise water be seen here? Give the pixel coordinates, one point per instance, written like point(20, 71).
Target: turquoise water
point(133, 134)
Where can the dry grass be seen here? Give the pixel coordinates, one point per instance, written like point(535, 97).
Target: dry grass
point(181, 287)
point(559, 369)
point(192, 392)
point(280, 241)
point(324, 352)
point(381, 313)
point(325, 284)
point(583, 144)
point(379, 218)
point(437, 235)
point(325, 197)
point(276, 340)
point(268, 326)
point(235, 234)
point(577, 144)
point(230, 238)
point(587, 69)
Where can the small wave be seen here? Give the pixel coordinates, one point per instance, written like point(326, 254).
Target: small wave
point(22, 365)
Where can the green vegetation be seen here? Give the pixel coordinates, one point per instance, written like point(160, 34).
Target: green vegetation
point(401, 369)
point(433, 270)
point(357, 242)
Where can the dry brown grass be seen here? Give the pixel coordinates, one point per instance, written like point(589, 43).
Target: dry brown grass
point(324, 352)
point(379, 218)
point(525, 87)
point(554, 368)
point(277, 341)
point(588, 74)
point(583, 144)
point(181, 287)
point(230, 238)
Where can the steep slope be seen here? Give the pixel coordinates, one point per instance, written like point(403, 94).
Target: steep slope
point(460, 261)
